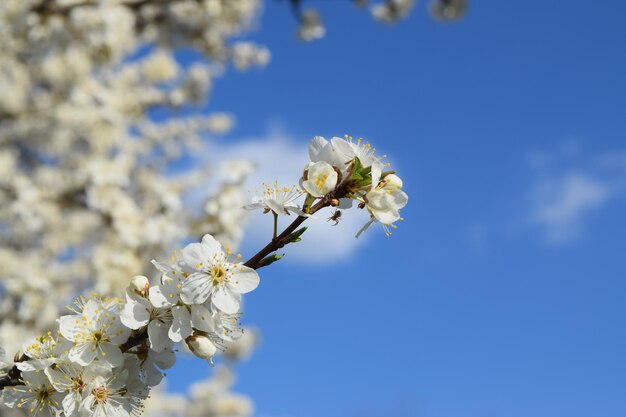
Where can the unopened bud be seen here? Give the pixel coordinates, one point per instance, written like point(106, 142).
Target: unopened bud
point(139, 285)
point(334, 202)
point(202, 347)
point(393, 181)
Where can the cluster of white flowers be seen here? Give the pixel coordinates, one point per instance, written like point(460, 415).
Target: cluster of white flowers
point(104, 358)
point(86, 194)
point(341, 171)
point(89, 131)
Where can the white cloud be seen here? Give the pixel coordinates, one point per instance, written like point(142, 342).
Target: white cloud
point(569, 186)
point(281, 157)
point(561, 204)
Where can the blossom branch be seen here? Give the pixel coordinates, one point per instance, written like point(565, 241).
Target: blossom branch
point(285, 237)
point(197, 300)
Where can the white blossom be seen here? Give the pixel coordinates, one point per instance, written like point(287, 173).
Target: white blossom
point(279, 200)
point(70, 379)
point(321, 179)
point(216, 276)
point(339, 152)
point(384, 201)
point(43, 352)
point(96, 332)
point(36, 396)
point(108, 394)
point(139, 312)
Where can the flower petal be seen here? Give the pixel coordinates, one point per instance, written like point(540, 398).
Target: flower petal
point(377, 170)
point(70, 404)
point(226, 300)
point(135, 315)
point(111, 353)
point(276, 207)
point(83, 353)
point(317, 147)
point(343, 151)
point(165, 294)
point(71, 327)
point(181, 325)
point(243, 280)
point(158, 335)
point(196, 288)
point(201, 318)
point(165, 359)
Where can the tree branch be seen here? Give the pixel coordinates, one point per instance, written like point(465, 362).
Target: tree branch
point(14, 376)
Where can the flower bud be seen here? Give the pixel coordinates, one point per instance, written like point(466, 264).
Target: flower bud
point(392, 181)
point(139, 285)
point(202, 347)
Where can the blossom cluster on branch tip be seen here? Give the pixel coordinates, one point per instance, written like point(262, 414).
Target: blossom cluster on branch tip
point(104, 357)
point(341, 172)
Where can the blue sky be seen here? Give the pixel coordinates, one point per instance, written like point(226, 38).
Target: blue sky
point(502, 293)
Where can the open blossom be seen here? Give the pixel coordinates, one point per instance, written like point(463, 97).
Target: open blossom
point(156, 307)
point(37, 395)
point(321, 179)
point(204, 317)
point(384, 201)
point(43, 352)
point(70, 379)
point(139, 312)
point(280, 200)
point(339, 152)
point(96, 332)
point(109, 394)
point(215, 275)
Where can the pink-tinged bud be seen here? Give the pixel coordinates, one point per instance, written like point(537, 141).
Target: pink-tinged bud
point(139, 285)
point(202, 347)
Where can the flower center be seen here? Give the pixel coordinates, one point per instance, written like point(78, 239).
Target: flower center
point(100, 394)
point(319, 181)
point(218, 274)
point(43, 395)
point(97, 336)
point(77, 384)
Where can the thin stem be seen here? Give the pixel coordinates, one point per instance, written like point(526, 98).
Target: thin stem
point(275, 225)
point(282, 239)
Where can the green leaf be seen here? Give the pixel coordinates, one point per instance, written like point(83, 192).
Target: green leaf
point(295, 236)
point(268, 260)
